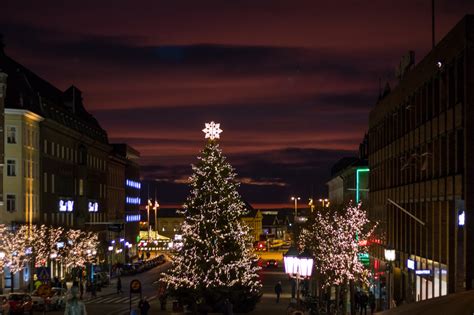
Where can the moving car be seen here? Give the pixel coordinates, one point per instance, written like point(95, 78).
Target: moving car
point(272, 263)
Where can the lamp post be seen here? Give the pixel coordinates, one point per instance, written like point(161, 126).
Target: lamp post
point(299, 267)
point(311, 204)
point(111, 249)
point(295, 199)
point(155, 207)
point(324, 202)
point(390, 258)
point(148, 207)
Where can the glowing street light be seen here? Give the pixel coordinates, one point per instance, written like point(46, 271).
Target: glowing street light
point(295, 199)
point(390, 256)
point(325, 202)
point(298, 266)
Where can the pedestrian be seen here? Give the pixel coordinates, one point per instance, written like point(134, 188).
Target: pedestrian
point(74, 306)
point(81, 289)
point(357, 300)
point(363, 303)
point(144, 306)
point(93, 290)
point(228, 307)
point(5, 306)
point(162, 296)
point(119, 285)
point(278, 290)
point(372, 302)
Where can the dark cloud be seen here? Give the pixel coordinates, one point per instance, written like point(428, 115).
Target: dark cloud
point(291, 82)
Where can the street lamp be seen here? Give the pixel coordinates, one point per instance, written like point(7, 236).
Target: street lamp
point(324, 202)
point(295, 199)
point(155, 207)
point(111, 248)
point(298, 266)
point(390, 256)
point(148, 207)
point(311, 204)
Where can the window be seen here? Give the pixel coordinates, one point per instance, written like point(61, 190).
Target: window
point(45, 146)
point(52, 148)
point(11, 202)
point(81, 187)
point(11, 134)
point(52, 183)
point(11, 168)
point(45, 177)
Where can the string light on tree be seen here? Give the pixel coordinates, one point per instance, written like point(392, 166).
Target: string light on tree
point(214, 261)
point(212, 130)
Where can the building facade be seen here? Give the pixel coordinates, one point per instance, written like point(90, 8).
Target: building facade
point(421, 181)
point(57, 166)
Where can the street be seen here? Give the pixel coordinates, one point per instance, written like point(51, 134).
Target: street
point(108, 302)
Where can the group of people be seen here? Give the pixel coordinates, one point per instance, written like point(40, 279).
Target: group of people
point(362, 300)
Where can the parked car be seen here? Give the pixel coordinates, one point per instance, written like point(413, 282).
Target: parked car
point(20, 303)
point(272, 263)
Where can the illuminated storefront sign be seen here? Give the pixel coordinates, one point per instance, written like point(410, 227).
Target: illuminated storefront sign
point(423, 272)
point(133, 200)
point(133, 184)
point(358, 189)
point(410, 264)
point(93, 206)
point(461, 218)
point(66, 205)
point(132, 218)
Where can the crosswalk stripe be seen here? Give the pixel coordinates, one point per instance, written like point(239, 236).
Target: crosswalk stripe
point(117, 300)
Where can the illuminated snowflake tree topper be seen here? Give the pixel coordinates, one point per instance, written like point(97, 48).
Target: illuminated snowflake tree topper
point(212, 130)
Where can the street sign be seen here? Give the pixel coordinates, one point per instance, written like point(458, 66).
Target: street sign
point(43, 274)
point(135, 288)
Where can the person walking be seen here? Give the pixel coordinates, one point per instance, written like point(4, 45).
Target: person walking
point(119, 285)
point(81, 289)
point(278, 290)
point(144, 307)
point(74, 306)
point(372, 302)
point(363, 303)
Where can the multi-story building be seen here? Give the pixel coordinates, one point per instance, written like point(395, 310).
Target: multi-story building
point(349, 181)
point(132, 186)
point(421, 181)
point(54, 156)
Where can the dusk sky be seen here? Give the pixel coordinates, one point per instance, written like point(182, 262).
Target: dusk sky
point(291, 82)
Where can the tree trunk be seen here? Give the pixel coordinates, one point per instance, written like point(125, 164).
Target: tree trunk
point(352, 291)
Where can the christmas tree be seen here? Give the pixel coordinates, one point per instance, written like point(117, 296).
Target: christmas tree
point(215, 261)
